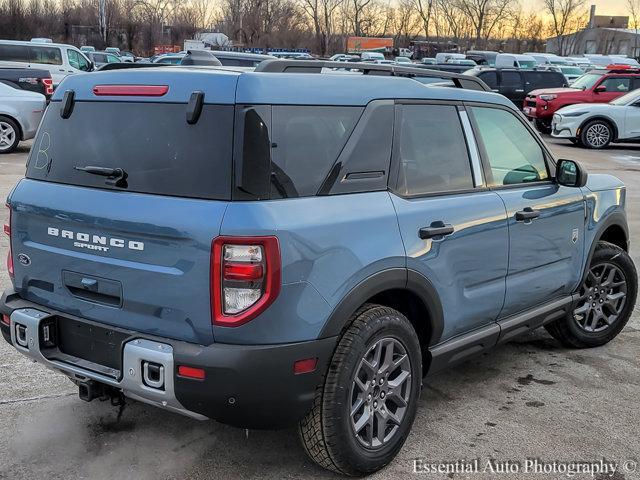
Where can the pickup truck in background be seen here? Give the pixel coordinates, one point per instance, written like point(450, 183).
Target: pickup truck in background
point(31, 79)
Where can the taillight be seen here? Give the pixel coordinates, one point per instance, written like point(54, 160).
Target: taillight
point(48, 85)
point(7, 230)
point(245, 278)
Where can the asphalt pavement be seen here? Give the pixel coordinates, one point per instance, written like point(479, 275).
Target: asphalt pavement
point(529, 399)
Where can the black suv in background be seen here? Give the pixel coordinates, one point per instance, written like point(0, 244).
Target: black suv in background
point(515, 84)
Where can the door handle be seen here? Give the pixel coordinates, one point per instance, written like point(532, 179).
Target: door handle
point(436, 229)
point(519, 90)
point(527, 213)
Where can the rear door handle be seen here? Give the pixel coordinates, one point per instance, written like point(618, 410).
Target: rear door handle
point(527, 213)
point(436, 229)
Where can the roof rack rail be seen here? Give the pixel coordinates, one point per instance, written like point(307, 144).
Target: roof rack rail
point(315, 66)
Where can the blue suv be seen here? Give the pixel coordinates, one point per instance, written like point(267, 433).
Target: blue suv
point(300, 245)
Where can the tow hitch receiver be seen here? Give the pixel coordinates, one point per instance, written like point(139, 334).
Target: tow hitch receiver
point(90, 389)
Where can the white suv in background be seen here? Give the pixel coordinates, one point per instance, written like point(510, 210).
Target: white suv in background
point(60, 59)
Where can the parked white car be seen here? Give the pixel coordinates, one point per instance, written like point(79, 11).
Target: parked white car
point(20, 115)
point(60, 59)
point(513, 60)
point(596, 125)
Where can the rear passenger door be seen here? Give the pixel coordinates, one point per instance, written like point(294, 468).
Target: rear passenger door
point(454, 229)
point(546, 220)
point(512, 87)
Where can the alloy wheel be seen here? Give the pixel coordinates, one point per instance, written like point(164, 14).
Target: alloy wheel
point(380, 393)
point(7, 135)
point(602, 298)
point(598, 135)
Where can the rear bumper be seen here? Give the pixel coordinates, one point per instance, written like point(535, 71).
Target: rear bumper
point(248, 386)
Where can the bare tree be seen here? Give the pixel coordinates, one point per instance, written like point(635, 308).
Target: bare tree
point(566, 17)
point(634, 11)
point(486, 15)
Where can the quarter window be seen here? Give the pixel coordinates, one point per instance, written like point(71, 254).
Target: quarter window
point(306, 143)
point(432, 151)
point(513, 153)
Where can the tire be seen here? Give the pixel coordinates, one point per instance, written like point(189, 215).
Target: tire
point(543, 127)
point(9, 134)
point(596, 134)
point(328, 432)
point(587, 327)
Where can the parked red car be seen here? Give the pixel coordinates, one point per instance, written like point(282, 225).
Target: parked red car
point(596, 86)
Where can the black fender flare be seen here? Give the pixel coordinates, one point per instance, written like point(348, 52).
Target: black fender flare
point(618, 219)
point(389, 279)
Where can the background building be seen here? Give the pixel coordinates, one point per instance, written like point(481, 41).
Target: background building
point(604, 34)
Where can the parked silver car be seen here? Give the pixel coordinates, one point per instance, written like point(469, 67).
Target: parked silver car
point(20, 114)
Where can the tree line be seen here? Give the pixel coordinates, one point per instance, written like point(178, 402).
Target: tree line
point(319, 25)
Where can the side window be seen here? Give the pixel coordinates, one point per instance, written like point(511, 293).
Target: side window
point(306, 143)
point(46, 55)
point(511, 80)
point(617, 84)
point(76, 60)
point(112, 59)
point(513, 153)
point(432, 153)
point(14, 53)
point(490, 78)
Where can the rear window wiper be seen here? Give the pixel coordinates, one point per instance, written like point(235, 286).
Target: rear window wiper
point(115, 176)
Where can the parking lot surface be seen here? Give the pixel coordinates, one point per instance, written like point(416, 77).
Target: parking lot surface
point(530, 398)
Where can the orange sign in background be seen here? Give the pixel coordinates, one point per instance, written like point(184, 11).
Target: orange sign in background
point(369, 44)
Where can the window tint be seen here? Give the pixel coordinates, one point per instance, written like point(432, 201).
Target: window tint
point(14, 53)
point(513, 153)
point(544, 79)
point(307, 141)
point(100, 58)
point(159, 151)
point(432, 152)
point(617, 84)
point(490, 78)
point(511, 80)
point(46, 55)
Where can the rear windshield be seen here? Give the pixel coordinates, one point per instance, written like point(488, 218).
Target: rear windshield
point(152, 142)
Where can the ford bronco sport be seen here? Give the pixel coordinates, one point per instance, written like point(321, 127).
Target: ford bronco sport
point(226, 246)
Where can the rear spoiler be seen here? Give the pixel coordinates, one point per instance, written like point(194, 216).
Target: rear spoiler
point(316, 66)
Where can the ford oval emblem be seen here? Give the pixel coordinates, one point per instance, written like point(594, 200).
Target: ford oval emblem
point(24, 259)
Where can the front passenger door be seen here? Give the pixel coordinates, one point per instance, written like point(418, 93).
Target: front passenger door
point(546, 220)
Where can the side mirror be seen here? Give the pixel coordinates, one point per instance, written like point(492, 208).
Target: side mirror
point(570, 173)
point(600, 89)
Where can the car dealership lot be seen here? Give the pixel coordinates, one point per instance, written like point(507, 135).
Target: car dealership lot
point(529, 398)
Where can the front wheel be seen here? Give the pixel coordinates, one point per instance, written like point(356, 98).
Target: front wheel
point(363, 412)
point(596, 134)
point(606, 299)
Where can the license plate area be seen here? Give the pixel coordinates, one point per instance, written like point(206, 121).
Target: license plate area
point(93, 347)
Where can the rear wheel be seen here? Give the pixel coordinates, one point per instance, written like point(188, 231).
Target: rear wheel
point(596, 134)
point(363, 413)
point(9, 135)
point(606, 299)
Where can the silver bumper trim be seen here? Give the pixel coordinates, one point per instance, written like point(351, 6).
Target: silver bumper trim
point(25, 337)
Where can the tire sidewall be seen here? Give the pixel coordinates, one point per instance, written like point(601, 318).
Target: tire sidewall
point(16, 130)
point(364, 460)
point(620, 259)
point(583, 134)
